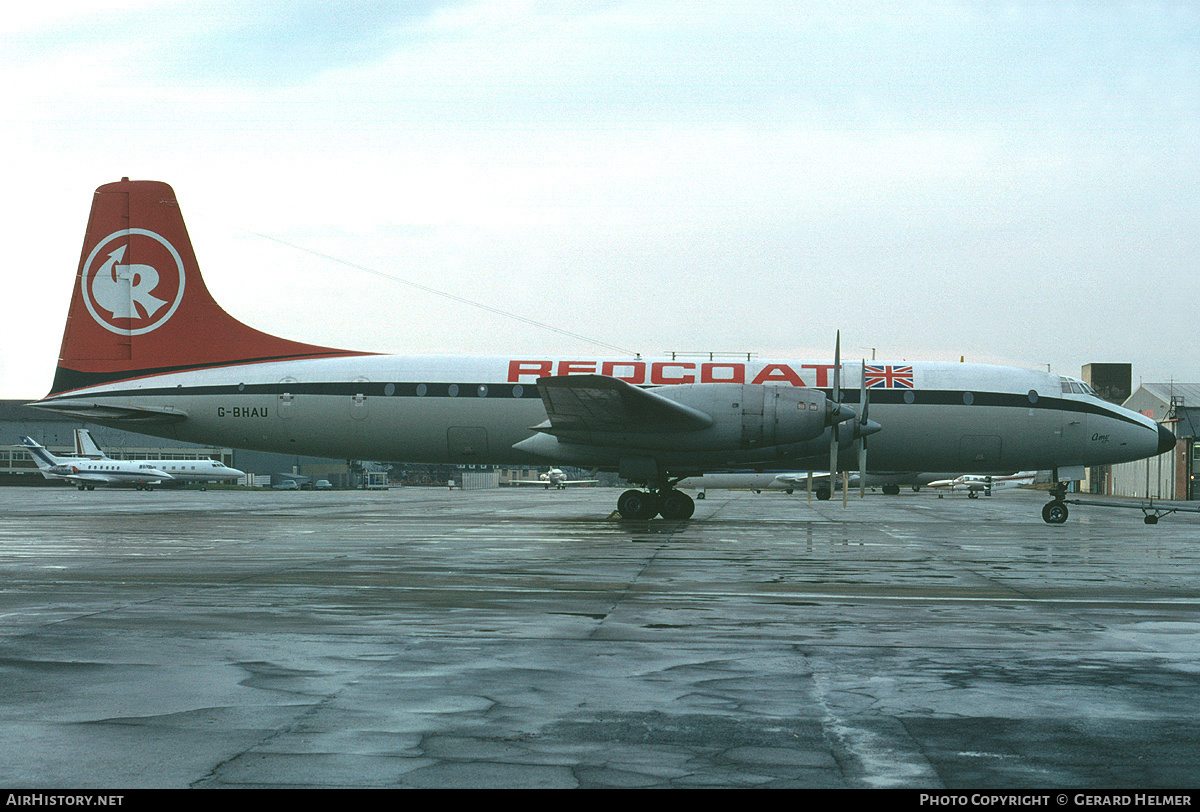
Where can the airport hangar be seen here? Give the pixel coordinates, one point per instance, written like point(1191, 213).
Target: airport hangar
point(1170, 476)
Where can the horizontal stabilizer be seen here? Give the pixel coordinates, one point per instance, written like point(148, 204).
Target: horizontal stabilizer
point(108, 413)
point(598, 403)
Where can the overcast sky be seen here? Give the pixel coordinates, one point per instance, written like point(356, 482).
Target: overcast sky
point(1010, 182)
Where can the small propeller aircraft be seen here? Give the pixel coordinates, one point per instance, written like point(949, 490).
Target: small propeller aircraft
point(555, 478)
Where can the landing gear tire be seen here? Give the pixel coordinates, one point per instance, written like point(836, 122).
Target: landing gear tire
point(891, 490)
point(823, 494)
point(677, 506)
point(1054, 512)
point(638, 505)
point(1151, 520)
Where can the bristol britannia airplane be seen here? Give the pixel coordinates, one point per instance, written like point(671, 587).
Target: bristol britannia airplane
point(181, 471)
point(86, 472)
point(147, 348)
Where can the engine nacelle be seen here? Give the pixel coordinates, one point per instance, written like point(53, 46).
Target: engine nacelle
point(722, 417)
point(748, 416)
point(602, 422)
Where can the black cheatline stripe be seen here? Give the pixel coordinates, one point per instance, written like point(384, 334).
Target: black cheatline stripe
point(509, 391)
point(957, 397)
point(378, 389)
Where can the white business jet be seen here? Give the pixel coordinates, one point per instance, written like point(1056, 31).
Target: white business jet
point(131, 358)
point(86, 473)
point(181, 471)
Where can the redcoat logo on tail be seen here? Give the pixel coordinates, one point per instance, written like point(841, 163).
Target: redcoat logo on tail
point(131, 297)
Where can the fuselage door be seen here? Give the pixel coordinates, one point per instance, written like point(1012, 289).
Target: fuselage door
point(358, 401)
point(980, 452)
point(466, 443)
point(286, 407)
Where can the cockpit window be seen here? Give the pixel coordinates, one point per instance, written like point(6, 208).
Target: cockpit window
point(1070, 386)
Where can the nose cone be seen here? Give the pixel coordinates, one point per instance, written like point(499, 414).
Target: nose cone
point(865, 428)
point(1166, 440)
point(840, 414)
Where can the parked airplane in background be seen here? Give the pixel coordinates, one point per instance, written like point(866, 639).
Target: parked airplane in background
point(86, 447)
point(555, 478)
point(146, 348)
point(87, 473)
point(975, 484)
point(181, 471)
point(792, 481)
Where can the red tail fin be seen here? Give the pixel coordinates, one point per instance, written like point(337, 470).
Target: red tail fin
point(140, 306)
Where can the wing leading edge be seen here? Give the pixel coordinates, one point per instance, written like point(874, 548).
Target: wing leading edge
point(598, 403)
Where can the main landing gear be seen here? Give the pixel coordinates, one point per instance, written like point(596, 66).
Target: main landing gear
point(666, 502)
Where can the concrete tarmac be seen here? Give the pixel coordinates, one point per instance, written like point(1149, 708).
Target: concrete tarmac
point(519, 638)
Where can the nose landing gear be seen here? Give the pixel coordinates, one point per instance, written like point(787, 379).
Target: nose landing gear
point(1055, 511)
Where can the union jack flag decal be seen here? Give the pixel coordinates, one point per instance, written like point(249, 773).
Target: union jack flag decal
point(889, 377)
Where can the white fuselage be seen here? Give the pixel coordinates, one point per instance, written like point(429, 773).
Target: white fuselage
point(955, 417)
point(197, 470)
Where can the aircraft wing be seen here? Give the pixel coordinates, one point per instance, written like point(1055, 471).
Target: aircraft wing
point(72, 474)
point(91, 478)
point(598, 403)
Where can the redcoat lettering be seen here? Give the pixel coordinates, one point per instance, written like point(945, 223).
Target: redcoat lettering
point(822, 372)
point(779, 373)
point(538, 369)
point(657, 374)
point(637, 370)
point(576, 367)
point(668, 372)
point(736, 373)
